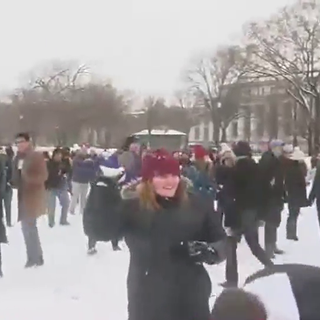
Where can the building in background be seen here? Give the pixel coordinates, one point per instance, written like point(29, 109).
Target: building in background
point(265, 111)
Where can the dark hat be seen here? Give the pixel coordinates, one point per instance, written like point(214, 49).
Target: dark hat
point(242, 148)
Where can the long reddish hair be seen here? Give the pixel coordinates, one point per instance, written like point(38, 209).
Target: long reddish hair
point(148, 197)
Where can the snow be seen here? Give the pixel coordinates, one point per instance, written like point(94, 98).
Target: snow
point(74, 285)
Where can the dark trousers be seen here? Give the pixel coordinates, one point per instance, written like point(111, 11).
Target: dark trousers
point(92, 243)
point(273, 220)
point(318, 210)
point(7, 199)
point(292, 220)
point(220, 211)
point(250, 233)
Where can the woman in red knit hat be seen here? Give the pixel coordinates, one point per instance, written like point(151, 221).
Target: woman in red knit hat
point(201, 174)
point(170, 235)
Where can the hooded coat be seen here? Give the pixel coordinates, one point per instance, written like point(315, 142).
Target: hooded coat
point(164, 280)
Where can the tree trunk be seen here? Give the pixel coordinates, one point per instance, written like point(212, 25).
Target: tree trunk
point(223, 134)
point(216, 127)
point(310, 139)
point(295, 126)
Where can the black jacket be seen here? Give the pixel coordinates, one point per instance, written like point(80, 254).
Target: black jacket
point(315, 189)
point(245, 183)
point(295, 183)
point(226, 195)
point(57, 174)
point(163, 280)
point(271, 180)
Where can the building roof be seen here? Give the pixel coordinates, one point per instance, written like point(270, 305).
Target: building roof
point(159, 132)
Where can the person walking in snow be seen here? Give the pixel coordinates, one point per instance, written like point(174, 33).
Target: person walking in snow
point(241, 216)
point(296, 194)
point(7, 198)
point(272, 194)
point(28, 177)
point(84, 171)
point(130, 159)
point(200, 173)
point(3, 181)
point(108, 182)
point(57, 188)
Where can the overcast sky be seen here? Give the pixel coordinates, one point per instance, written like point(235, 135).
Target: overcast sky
point(142, 45)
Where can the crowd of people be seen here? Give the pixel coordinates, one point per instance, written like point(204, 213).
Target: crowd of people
point(176, 211)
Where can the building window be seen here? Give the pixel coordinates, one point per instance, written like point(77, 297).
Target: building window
point(196, 133)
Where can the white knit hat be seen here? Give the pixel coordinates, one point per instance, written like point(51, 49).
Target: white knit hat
point(225, 149)
point(297, 154)
point(288, 148)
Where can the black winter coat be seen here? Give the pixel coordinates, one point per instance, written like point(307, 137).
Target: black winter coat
point(315, 189)
point(271, 180)
point(57, 174)
point(245, 183)
point(295, 183)
point(103, 202)
point(226, 195)
point(163, 280)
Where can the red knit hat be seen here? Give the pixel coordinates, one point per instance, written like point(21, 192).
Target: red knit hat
point(159, 163)
point(199, 152)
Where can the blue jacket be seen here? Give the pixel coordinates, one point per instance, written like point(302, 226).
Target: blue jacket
point(84, 170)
point(202, 183)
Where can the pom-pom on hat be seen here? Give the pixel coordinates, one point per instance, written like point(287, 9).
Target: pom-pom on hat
point(159, 163)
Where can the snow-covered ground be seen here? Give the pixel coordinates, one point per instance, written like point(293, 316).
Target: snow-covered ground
point(72, 285)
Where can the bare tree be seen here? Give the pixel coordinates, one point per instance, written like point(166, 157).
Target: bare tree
point(190, 112)
point(286, 48)
point(63, 102)
point(211, 81)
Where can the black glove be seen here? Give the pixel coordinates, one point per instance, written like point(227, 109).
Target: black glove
point(202, 252)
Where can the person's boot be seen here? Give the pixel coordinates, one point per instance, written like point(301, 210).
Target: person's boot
point(269, 249)
point(40, 262)
point(116, 248)
point(278, 251)
point(29, 264)
point(51, 224)
point(115, 245)
point(66, 223)
point(292, 231)
point(92, 251)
